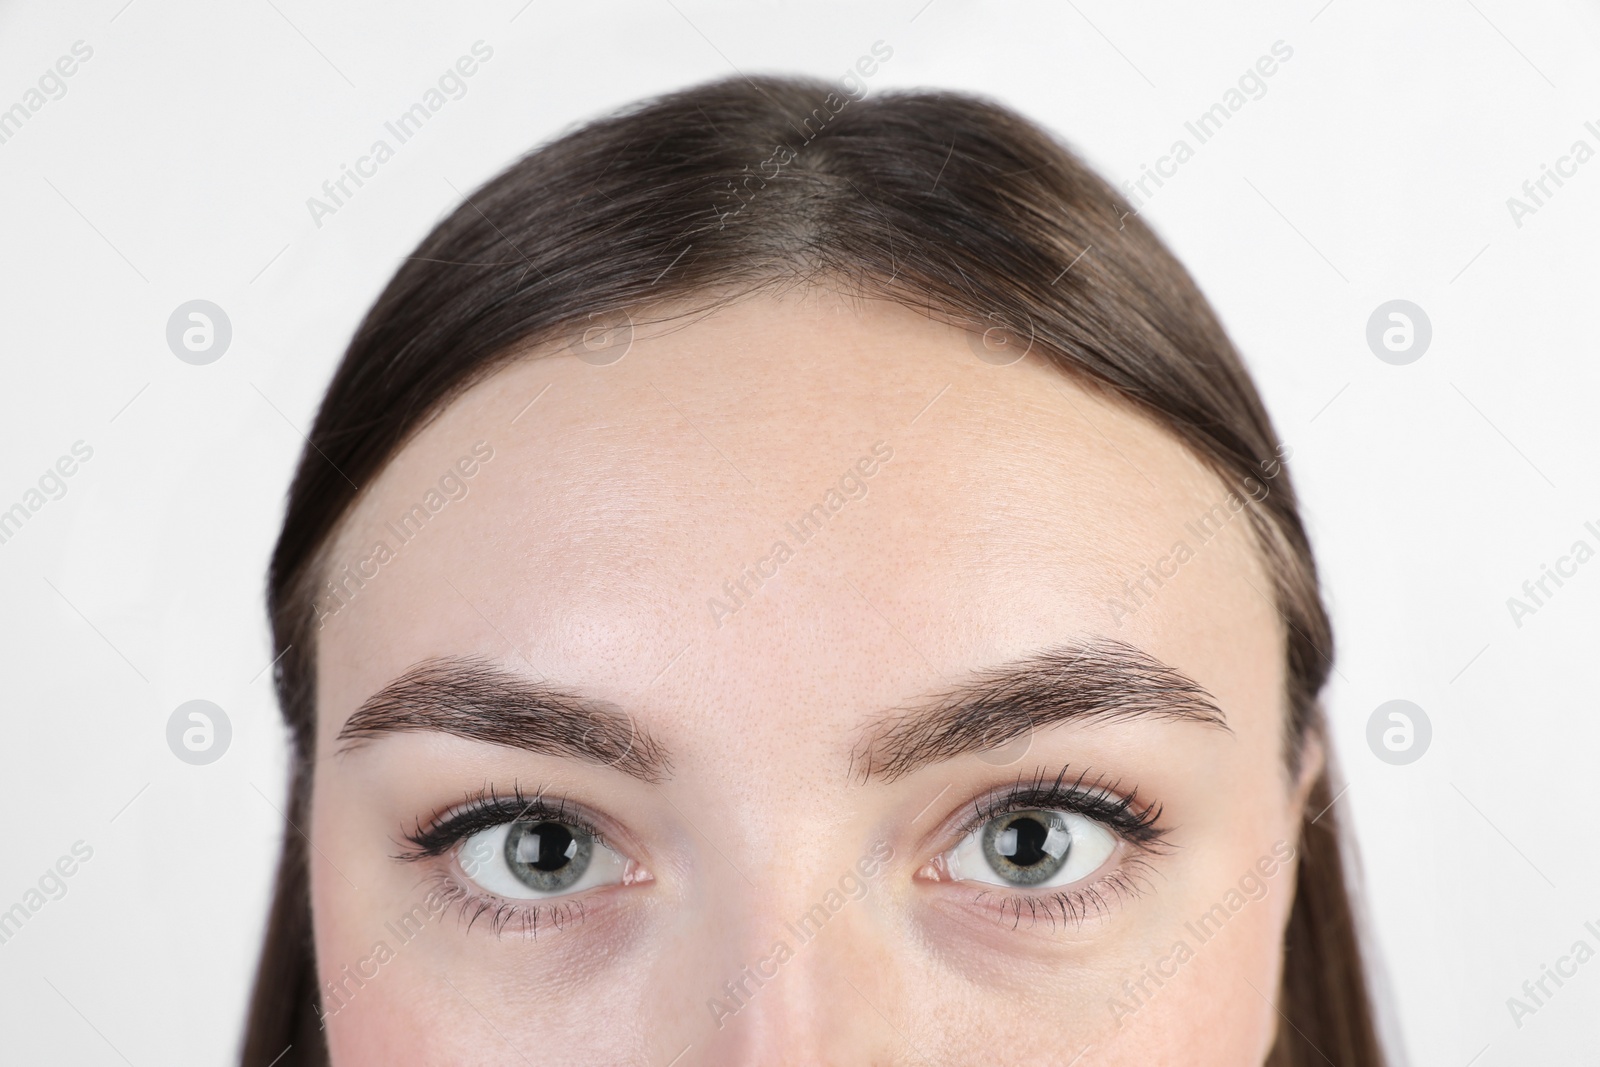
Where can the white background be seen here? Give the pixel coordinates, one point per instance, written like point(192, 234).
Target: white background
point(1377, 166)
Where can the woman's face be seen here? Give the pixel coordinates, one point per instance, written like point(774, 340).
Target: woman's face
point(799, 688)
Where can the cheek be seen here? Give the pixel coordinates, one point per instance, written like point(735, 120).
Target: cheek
point(1205, 1011)
point(368, 979)
point(1136, 1006)
point(382, 1003)
point(379, 1032)
point(1199, 995)
point(1239, 967)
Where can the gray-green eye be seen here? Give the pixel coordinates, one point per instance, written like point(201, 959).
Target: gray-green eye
point(1032, 850)
point(548, 856)
point(533, 858)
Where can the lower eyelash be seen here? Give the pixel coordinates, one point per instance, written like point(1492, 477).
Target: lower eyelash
point(1072, 907)
point(501, 914)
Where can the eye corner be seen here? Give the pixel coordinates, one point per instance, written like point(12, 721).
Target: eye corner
point(936, 869)
point(635, 873)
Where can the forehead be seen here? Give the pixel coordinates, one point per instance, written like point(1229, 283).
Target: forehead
point(803, 500)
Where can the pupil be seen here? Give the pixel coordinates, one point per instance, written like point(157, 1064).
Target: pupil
point(546, 847)
point(548, 856)
point(1027, 848)
point(1030, 835)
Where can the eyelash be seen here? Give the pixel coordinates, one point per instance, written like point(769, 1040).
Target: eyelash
point(484, 810)
point(471, 906)
point(1134, 823)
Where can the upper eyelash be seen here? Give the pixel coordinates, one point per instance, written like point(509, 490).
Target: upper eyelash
point(485, 810)
point(1122, 812)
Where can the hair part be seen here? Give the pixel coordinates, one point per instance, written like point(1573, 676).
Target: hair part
point(940, 201)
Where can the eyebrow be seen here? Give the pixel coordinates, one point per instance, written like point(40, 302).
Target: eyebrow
point(1098, 681)
point(479, 701)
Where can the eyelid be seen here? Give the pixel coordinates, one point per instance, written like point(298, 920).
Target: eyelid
point(1131, 819)
point(445, 830)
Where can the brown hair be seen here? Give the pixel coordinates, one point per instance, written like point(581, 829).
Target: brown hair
point(940, 201)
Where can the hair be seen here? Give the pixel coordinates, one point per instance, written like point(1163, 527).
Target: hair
point(940, 201)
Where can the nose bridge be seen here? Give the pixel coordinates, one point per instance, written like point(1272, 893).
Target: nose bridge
point(804, 971)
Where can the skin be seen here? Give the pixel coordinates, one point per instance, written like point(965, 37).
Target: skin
point(585, 553)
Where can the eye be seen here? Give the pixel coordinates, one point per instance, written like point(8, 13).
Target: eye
point(532, 858)
point(1031, 850)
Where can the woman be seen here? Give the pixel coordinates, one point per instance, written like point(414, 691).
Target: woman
point(784, 577)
